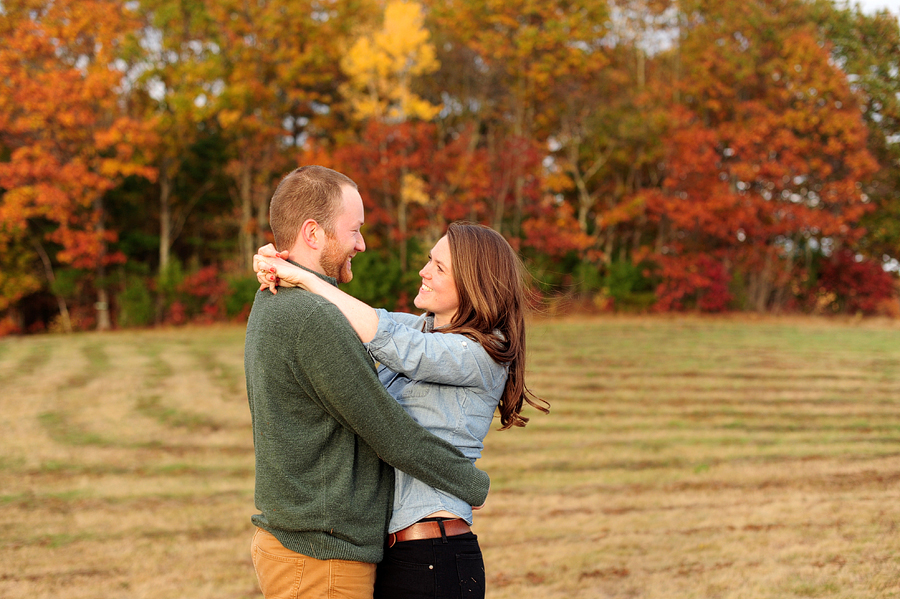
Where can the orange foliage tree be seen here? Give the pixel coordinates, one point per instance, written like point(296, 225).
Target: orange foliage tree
point(65, 134)
point(608, 143)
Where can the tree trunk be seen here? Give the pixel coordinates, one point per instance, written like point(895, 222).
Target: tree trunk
point(262, 192)
point(761, 284)
point(610, 244)
point(245, 234)
point(641, 69)
point(165, 215)
point(102, 305)
point(402, 225)
point(262, 218)
point(500, 196)
point(51, 278)
point(520, 205)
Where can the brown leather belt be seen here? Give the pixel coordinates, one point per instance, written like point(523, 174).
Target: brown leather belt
point(429, 530)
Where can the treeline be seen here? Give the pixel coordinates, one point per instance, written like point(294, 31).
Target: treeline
point(702, 155)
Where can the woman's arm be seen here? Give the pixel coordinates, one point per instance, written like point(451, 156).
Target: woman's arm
point(362, 317)
point(442, 358)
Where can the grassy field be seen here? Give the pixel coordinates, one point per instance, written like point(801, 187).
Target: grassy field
point(684, 457)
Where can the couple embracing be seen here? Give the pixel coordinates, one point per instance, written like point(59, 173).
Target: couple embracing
point(366, 423)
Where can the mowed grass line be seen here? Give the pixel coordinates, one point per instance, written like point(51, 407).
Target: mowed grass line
point(133, 471)
point(684, 457)
point(701, 458)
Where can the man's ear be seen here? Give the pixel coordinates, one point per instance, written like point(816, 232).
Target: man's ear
point(312, 234)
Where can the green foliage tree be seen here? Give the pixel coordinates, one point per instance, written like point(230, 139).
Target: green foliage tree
point(867, 48)
point(178, 84)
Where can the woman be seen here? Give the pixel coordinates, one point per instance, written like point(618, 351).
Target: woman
point(450, 368)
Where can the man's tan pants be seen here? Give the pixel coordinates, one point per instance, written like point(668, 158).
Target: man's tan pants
point(285, 574)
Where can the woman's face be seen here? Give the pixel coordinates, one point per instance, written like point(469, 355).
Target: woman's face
point(438, 293)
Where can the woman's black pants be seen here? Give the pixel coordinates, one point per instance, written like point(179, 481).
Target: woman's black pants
point(443, 568)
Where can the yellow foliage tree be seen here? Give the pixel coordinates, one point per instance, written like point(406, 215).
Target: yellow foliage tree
point(381, 67)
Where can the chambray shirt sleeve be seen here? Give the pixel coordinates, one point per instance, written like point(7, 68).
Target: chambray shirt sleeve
point(405, 318)
point(442, 358)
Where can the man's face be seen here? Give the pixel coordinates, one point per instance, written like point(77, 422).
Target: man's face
point(347, 240)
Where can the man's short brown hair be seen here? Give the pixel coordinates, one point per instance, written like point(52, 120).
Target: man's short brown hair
point(309, 192)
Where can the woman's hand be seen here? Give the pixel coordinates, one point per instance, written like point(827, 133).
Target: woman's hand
point(265, 272)
point(273, 271)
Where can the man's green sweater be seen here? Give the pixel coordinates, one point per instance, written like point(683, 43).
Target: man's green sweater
point(321, 419)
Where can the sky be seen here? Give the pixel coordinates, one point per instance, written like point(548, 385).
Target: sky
point(871, 6)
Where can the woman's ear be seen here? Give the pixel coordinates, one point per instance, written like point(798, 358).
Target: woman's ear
point(312, 234)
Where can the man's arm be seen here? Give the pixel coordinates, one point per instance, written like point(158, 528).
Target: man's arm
point(333, 359)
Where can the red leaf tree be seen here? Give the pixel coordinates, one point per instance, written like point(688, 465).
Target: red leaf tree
point(768, 152)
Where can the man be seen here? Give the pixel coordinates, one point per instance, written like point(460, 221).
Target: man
point(326, 434)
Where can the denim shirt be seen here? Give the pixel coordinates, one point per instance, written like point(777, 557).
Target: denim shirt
point(449, 385)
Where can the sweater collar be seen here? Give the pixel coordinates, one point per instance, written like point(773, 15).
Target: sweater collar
point(331, 280)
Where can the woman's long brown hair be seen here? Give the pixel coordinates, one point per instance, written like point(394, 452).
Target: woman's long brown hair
point(490, 282)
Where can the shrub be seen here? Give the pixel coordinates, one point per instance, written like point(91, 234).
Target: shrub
point(377, 279)
point(693, 282)
point(203, 294)
point(629, 285)
point(9, 326)
point(854, 284)
point(135, 303)
point(239, 298)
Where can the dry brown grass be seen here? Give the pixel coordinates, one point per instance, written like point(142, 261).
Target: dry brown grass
point(684, 457)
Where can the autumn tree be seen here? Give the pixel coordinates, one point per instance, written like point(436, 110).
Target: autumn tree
point(381, 67)
point(179, 83)
point(867, 49)
point(278, 71)
point(766, 159)
point(608, 144)
point(508, 58)
point(726, 154)
point(66, 138)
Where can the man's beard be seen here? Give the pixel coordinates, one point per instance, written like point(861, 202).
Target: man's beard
point(335, 261)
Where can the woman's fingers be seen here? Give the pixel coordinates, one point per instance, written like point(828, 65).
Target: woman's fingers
point(260, 263)
point(267, 250)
